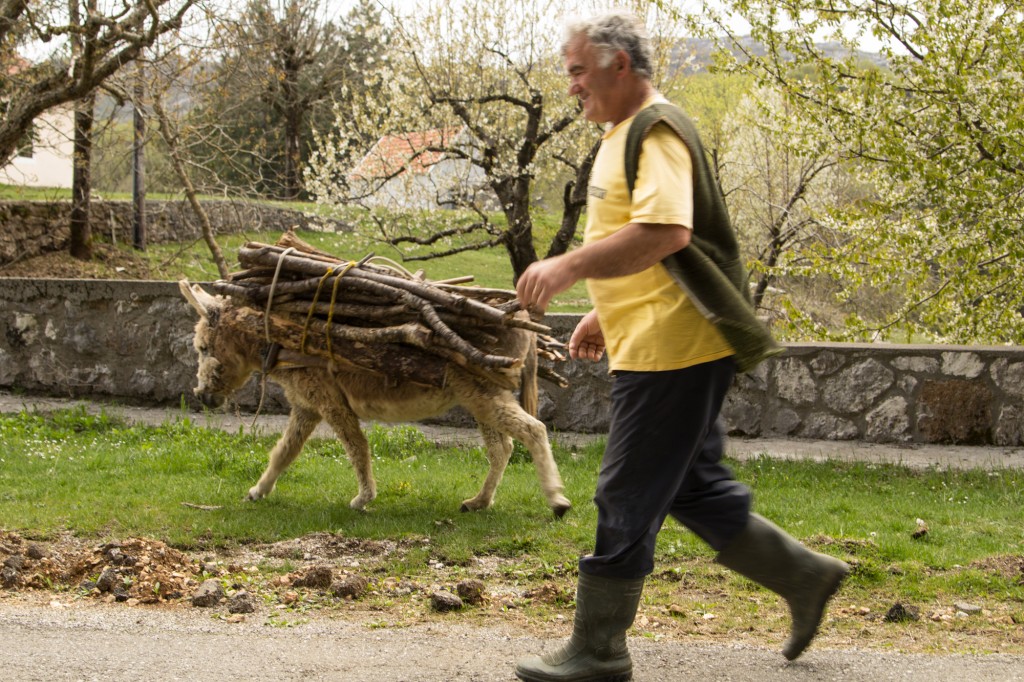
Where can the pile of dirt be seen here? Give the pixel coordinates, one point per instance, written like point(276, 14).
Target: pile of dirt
point(108, 262)
point(318, 569)
point(138, 569)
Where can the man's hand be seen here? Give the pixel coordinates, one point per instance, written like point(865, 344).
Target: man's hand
point(542, 281)
point(587, 340)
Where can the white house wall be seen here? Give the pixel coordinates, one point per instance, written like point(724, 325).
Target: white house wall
point(428, 190)
point(51, 162)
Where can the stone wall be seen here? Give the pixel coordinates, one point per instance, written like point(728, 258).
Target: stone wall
point(31, 228)
point(131, 341)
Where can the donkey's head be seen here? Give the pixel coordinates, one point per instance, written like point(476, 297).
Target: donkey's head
point(223, 367)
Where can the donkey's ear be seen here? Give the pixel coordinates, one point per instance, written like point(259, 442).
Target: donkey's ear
point(203, 302)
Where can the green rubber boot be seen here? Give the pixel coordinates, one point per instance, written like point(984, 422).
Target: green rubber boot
point(596, 651)
point(767, 555)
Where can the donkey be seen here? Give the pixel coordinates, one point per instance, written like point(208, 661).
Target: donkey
point(230, 350)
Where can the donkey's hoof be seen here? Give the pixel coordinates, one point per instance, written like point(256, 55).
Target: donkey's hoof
point(560, 504)
point(359, 502)
point(472, 505)
point(561, 509)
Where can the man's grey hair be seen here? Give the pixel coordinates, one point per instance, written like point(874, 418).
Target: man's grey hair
point(611, 32)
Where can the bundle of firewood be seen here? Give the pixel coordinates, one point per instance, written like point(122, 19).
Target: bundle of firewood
point(372, 314)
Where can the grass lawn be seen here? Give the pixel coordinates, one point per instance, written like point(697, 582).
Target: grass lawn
point(100, 479)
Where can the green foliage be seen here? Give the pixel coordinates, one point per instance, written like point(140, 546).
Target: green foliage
point(399, 442)
point(709, 99)
point(282, 70)
point(936, 139)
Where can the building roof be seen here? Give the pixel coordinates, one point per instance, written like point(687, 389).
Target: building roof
point(395, 154)
point(16, 65)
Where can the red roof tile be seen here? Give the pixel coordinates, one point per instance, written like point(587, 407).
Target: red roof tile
point(393, 152)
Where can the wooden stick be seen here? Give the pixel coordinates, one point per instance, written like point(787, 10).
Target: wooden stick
point(380, 312)
point(267, 257)
point(395, 362)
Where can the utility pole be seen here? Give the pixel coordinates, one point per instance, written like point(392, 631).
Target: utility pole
point(139, 168)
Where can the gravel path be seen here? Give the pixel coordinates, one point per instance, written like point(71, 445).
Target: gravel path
point(101, 642)
point(912, 455)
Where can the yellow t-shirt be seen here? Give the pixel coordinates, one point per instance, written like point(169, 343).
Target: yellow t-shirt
point(649, 324)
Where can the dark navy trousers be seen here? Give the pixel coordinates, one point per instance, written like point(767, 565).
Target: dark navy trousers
point(664, 457)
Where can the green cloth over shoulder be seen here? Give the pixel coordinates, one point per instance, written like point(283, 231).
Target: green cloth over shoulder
point(709, 269)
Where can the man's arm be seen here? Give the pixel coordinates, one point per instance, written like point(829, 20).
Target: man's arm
point(632, 249)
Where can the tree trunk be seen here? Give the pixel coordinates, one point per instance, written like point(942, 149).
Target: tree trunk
point(292, 157)
point(81, 234)
point(170, 136)
point(519, 235)
point(574, 200)
point(81, 186)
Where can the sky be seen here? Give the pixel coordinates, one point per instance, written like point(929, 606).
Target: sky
point(339, 8)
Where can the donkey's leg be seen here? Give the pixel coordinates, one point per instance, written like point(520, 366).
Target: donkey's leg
point(499, 449)
point(346, 425)
point(301, 423)
point(503, 413)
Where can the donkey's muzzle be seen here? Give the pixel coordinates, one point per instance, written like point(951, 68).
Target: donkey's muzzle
point(211, 400)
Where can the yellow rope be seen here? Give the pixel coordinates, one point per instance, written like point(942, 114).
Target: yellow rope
point(316, 297)
point(334, 297)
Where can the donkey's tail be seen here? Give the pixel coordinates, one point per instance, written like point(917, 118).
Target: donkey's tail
point(528, 385)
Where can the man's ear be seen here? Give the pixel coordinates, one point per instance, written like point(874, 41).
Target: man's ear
point(622, 63)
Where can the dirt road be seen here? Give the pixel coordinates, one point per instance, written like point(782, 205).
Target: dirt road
point(90, 641)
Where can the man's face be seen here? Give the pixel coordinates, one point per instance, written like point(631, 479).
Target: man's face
point(593, 84)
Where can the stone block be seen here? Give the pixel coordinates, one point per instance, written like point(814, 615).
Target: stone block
point(827, 362)
point(955, 411)
point(785, 422)
point(1009, 376)
point(889, 422)
point(856, 388)
point(794, 383)
point(1009, 428)
point(918, 364)
point(742, 415)
point(825, 426)
point(962, 364)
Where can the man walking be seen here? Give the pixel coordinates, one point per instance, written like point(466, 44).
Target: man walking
point(671, 310)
